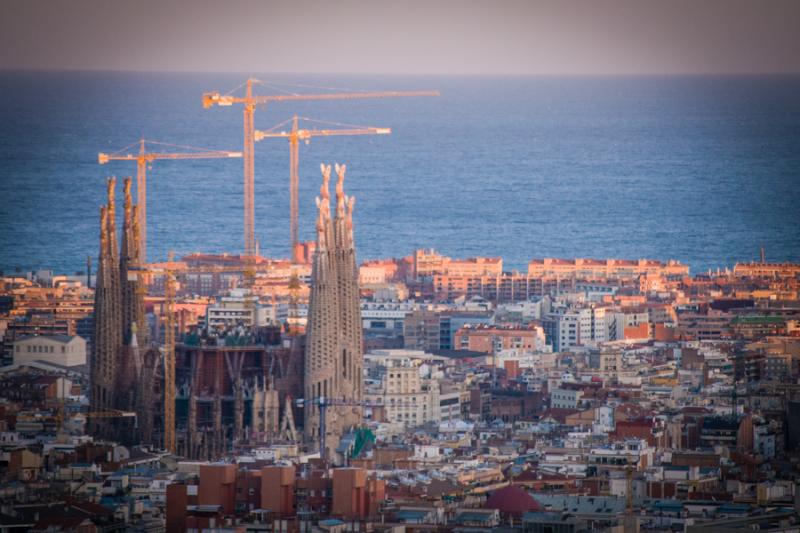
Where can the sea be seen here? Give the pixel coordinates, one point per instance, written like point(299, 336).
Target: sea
point(704, 170)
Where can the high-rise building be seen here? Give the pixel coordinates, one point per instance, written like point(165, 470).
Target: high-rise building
point(333, 357)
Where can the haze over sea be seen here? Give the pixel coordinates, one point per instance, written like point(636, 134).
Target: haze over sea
point(699, 169)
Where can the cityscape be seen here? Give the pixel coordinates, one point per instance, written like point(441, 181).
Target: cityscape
point(281, 380)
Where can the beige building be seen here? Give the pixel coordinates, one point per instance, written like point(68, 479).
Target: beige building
point(429, 262)
point(64, 350)
point(410, 396)
point(767, 270)
point(603, 268)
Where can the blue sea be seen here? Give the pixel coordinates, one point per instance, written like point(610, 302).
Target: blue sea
point(704, 170)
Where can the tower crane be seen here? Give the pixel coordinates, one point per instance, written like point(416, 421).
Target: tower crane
point(143, 157)
point(295, 135)
point(170, 271)
point(250, 101)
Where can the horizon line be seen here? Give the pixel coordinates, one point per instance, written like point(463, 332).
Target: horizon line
point(250, 73)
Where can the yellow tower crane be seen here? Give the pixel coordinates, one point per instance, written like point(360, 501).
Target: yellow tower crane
point(171, 270)
point(295, 135)
point(146, 156)
point(250, 101)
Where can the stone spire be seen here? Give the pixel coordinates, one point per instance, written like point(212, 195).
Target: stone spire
point(349, 325)
point(324, 209)
point(333, 358)
point(132, 298)
point(107, 312)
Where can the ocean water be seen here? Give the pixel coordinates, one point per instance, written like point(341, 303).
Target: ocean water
point(699, 169)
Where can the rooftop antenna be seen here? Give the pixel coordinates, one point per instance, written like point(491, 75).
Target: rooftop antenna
point(763, 255)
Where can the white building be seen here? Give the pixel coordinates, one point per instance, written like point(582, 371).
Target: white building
point(764, 441)
point(603, 420)
point(577, 327)
point(240, 307)
point(632, 451)
point(64, 350)
point(565, 398)
point(450, 405)
point(387, 317)
point(618, 321)
point(595, 291)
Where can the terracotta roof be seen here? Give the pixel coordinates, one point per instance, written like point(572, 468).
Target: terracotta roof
point(512, 500)
point(59, 523)
point(438, 488)
point(526, 475)
point(559, 414)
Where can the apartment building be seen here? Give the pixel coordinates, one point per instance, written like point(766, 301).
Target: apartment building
point(401, 382)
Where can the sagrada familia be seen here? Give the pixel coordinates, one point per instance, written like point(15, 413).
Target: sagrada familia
point(333, 358)
point(119, 371)
point(229, 396)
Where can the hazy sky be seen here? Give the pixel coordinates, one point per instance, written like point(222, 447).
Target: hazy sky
point(404, 36)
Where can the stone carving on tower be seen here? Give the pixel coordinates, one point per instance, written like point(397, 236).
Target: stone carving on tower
point(132, 294)
point(107, 320)
point(333, 356)
point(107, 314)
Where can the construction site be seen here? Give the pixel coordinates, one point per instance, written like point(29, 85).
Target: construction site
point(163, 379)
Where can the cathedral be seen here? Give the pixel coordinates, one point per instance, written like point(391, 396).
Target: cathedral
point(119, 324)
point(333, 354)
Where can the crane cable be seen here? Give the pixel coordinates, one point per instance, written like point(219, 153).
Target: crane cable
point(182, 146)
point(326, 122)
point(276, 85)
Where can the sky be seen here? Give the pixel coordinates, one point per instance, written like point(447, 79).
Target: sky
point(404, 37)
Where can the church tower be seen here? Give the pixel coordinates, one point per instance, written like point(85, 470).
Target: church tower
point(107, 312)
point(120, 328)
point(333, 358)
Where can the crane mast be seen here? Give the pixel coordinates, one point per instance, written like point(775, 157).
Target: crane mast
point(249, 172)
point(294, 194)
point(170, 273)
point(250, 101)
point(143, 158)
point(170, 442)
point(141, 200)
point(295, 135)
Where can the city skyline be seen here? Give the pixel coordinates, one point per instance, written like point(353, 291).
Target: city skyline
point(568, 298)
